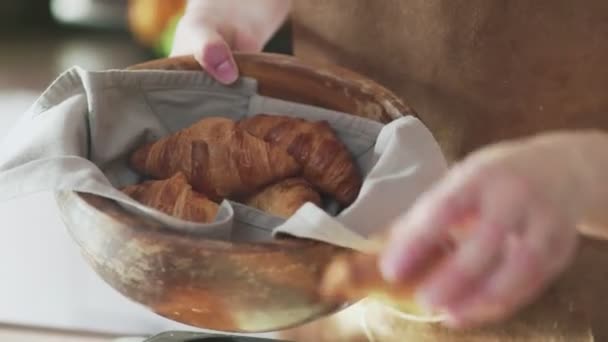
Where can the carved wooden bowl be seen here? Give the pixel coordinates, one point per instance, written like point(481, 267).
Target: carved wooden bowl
point(233, 287)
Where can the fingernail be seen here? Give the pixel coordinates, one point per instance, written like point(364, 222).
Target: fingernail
point(226, 72)
point(221, 66)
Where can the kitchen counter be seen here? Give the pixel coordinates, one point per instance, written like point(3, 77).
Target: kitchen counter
point(25, 334)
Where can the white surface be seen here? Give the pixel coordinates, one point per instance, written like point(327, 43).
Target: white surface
point(44, 280)
point(24, 334)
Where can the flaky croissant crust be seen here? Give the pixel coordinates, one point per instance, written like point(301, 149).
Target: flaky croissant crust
point(326, 161)
point(175, 197)
point(218, 159)
point(284, 198)
point(271, 162)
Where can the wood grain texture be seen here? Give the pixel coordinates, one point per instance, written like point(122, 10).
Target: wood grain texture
point(205, 283)
point(236, 287)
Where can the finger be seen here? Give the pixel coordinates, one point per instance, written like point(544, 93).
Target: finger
point(545, 248)
point(211, 51)
point(502, 211)
point(518, 279)
point(552, 237)
point(459, 274)
point(247, 42)
point(216, 57)
point(421, 234)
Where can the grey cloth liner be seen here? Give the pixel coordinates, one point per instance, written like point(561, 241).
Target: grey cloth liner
point(78, 135)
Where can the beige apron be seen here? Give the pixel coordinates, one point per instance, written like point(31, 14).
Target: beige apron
point(478, 71)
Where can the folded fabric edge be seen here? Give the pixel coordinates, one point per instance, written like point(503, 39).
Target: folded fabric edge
point(222, 222)
point(88, 179)
point(312, 222)
point(70, 82)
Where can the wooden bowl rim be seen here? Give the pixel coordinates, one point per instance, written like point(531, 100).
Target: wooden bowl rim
point(391, 102)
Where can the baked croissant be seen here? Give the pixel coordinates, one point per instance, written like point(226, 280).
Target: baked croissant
point(219, 159)
point(284, 198)
point(175, 197)
point(326, 162)
point(352, 276)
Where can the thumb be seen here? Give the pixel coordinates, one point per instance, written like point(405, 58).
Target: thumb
point(215, 56)
point(210, 50)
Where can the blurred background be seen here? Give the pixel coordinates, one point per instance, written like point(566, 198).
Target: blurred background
point(42, 38)
point(47, 292)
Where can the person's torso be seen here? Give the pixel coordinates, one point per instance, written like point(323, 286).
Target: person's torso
point(475, 71)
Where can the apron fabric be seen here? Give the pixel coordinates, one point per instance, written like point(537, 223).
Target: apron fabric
point(476, 72)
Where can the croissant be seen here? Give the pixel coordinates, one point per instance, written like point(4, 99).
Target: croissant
point(353, 276)
point(350, 278)
point(326, 162)
point(284, 198)
point(219, 159)
point(175, 197)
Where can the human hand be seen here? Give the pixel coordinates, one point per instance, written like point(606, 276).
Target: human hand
point(210, 30)
point(524, 199)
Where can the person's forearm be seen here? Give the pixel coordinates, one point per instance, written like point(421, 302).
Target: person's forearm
point(585, 154)
point(261, 17)
point(592, 166)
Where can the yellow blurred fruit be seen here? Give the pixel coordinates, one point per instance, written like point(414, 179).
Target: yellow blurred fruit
point(148, 19)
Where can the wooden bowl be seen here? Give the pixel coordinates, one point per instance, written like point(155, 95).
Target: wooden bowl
point(232, 287)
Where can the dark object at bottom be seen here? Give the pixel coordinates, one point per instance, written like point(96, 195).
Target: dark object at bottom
point(199, 337)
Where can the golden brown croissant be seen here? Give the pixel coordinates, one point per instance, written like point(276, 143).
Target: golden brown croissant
point(219, 159)
point(175, 197)
point(326, 161)
point(352, 276)
point(284, 198)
